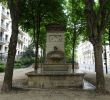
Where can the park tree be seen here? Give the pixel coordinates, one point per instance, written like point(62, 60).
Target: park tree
point(15, 12)
point(97, 15)
point(75, 24)
point(38, 12)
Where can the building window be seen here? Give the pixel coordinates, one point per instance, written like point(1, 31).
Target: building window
point(2, 22)
point(18, 52)
point(7, 25)
point(3, 9)
point(24, 46)
point(1, 34)
point(6, 49)
point(0, 47)
point(7, 13)
point(6, 38)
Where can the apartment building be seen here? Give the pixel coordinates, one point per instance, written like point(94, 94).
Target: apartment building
point(85, 55)
point(24, 41)
point(5, 34)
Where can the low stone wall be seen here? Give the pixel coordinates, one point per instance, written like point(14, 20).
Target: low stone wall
point(53, 81)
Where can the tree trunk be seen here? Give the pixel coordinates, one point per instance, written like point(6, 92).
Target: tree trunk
point(34, 32)
point(73, 46)
point(105, 57)
point(73, 56)
point(109, 38)
point(7, 83)
point(100, 81)
point(37, 42)
point(44, 55)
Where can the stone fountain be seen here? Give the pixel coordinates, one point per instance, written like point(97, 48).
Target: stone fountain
point(55, 72)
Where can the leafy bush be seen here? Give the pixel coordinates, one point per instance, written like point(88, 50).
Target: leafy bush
point(68, 60)
point(24, 62)
point(28, 52)
point(26, 59)
point(17, 64)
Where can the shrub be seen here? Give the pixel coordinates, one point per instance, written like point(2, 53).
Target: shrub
point(26, 59)
point(17, 64)
point(1, 69)
point(24, 62)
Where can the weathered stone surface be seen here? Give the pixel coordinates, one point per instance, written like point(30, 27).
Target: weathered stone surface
point(55, 44)
point(46, 80)
point(58, 67)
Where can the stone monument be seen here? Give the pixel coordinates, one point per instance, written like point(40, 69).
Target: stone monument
point(55, 56)
point(55, 44)
point(55, 72)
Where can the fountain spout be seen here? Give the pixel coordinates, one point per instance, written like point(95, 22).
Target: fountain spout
point(55, 57)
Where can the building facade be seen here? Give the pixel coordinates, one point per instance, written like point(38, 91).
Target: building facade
point(5, 34)
point(85, 56)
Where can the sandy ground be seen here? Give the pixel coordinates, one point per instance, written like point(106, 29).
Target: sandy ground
point(46, 94)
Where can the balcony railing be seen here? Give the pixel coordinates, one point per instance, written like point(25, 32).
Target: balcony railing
point(20, 38)
point(3, 56)
point(5, 15)
point(3, 41)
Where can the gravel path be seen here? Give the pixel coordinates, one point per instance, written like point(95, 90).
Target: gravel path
point(18, 74)
point(91, 77)
point(47, 94)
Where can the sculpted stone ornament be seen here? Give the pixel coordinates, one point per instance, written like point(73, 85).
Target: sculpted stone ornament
point(55, 38)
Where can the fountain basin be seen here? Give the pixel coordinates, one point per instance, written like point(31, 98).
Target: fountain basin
point(49, 80)
point(55, 57)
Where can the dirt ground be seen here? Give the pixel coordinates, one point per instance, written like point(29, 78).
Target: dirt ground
point(25, 93)
point(53, 94)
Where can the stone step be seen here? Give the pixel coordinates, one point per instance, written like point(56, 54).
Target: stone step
point(55, 72)
point(54, 65)
point(55, 68)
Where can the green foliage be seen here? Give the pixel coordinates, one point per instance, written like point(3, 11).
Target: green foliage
point(1, 66)
point(68, 44)
point(28, 52)
point(18, 64)
point(24, 62)
point(26, 59)
point(3, 2)
point(75, 26)
point(42, 37)
point(49, 11)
